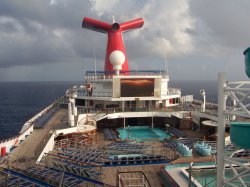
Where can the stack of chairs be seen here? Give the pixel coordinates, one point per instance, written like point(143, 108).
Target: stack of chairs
point(184, 150)
point(203, 148)
point(189, 141)
point(174, 144)
point(170, 145)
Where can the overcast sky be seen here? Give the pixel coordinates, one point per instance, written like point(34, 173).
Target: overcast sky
point(43, 39)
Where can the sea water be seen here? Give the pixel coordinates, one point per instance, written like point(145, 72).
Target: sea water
point(19, 101)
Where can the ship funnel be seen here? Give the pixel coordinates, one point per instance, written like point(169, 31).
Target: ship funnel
point(247, 61)
point(116, 58)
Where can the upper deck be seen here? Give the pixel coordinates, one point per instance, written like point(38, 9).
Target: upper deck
point(97, 75)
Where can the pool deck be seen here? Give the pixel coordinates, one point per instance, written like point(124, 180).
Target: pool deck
point(26, 153)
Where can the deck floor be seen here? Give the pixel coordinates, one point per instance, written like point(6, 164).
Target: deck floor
point(27, 150)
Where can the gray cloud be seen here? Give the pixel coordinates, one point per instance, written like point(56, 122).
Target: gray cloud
point(221, 25)
point(47, 32)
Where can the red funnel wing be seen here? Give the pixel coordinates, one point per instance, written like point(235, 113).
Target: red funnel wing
point(115, 41)
point(95, 25)
point(130, 25)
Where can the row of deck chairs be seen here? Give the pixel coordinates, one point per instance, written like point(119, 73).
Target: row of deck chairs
point(53, 175)
point(173, 144)
point(44, 118)
point(65, 151)
point(189, 141)
point(109, 134)
point(128, 147)
point(12, 180)
point(88, 156)
point(78, 170)
point(139, 160)
point(170, 145)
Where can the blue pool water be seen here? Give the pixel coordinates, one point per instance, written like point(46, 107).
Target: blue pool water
point(142, 134)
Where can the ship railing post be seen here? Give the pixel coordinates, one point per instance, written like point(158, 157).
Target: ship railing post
point(152, 121)
point(124, 123)
point(221, 130)
point(190, 174)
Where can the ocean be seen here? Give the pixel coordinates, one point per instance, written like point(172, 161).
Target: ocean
point(19, 101)
point(189, 87)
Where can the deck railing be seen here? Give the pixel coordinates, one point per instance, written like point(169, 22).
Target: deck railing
point(92, 75)
point(133, 178)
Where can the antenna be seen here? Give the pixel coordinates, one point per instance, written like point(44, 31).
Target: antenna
point(95, 62)
point(84, 70)
point(166, 65)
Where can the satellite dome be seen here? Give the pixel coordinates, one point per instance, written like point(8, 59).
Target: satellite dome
point(117, 58)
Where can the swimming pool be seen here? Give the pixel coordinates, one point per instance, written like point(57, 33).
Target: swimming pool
point(203, 174)
point(142, 134)
point(207, 177)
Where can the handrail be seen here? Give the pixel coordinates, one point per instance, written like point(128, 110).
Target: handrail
point(134, 172)
point(93, 75)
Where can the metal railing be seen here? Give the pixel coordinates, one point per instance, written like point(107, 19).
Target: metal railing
point(94, 75)
point(134, 178)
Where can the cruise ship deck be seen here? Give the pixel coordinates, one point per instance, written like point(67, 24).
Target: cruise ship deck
point(128, 128)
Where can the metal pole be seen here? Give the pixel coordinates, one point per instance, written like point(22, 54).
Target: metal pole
point(69, 111)
point(95, 63)
point(190, 175)
point(128, 132)
point(152, 124)
point(221, 130)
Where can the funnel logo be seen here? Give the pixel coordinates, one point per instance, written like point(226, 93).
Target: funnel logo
point(116, 58)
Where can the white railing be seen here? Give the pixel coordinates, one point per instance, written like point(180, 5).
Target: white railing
point(238, 92)
point(174, 91)
point(92, 75)
point(102, 94)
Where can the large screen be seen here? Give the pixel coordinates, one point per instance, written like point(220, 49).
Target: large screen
point(137, 87)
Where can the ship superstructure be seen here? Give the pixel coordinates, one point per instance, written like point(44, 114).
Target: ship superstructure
point(118, 89)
